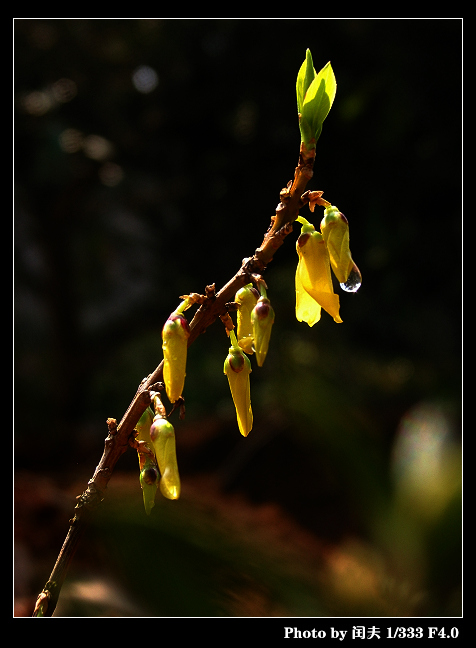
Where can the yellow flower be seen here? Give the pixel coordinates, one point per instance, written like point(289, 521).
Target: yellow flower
point(314, 287)
point(335, 230)
point(246, 297)
point(175, 334)
point(307, 309)
point(237, 368)
point(162, 434)
point(149, 474)
point(263, 320)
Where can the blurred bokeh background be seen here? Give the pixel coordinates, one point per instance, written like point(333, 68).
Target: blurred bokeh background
point(149, 156)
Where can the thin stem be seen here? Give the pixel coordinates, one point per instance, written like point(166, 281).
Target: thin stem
point(234, 341)
point(183, 306)
point(214, 305)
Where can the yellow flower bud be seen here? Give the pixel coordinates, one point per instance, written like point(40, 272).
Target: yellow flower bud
point(149, 481)
point(175, 334)
point(246, 297)
point(149, 474)
point(263, 320)
point(313, 275)
point(237, 368)
point(335, 230)
point(162, 435)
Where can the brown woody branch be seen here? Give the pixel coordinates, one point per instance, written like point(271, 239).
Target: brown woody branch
point(213, 306)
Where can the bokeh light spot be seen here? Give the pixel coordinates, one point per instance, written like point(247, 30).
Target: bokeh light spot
point(145, 79)
point(97, 147)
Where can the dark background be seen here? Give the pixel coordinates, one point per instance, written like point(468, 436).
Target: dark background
point(149, 156)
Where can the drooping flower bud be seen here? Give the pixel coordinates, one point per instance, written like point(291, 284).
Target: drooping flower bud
point(149, 474)
point(149, 481)
point(335, 230)
point(262, 317)
point(175, 334)
point(246, 297)
point(237, 368)
point(313, 276)
point(162, 434)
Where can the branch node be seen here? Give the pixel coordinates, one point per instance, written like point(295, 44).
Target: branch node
point(194, 298)
point(210, 291)
point(259, 281)
point(315, 198)
point(255, 263)
point(285, 194)
point(112, 426)
point(91, 497)
point(228, 322)
point(158, 386)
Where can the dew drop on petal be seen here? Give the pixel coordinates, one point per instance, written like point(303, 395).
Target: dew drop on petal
point(353, 282)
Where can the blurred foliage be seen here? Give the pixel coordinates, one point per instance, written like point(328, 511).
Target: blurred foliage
point(149, 156)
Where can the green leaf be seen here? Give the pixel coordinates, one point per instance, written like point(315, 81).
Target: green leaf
point(304, 79)
point(317, 103)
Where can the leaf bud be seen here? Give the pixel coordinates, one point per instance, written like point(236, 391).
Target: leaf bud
point(315, 96)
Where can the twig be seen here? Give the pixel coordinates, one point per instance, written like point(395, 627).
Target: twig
point(213, 306)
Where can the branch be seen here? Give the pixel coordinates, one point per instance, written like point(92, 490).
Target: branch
point(292, 199)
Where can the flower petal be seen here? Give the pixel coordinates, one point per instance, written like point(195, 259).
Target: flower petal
point(315, 272)
point(307, 309)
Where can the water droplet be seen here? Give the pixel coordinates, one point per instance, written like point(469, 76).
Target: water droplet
point(353, 282)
